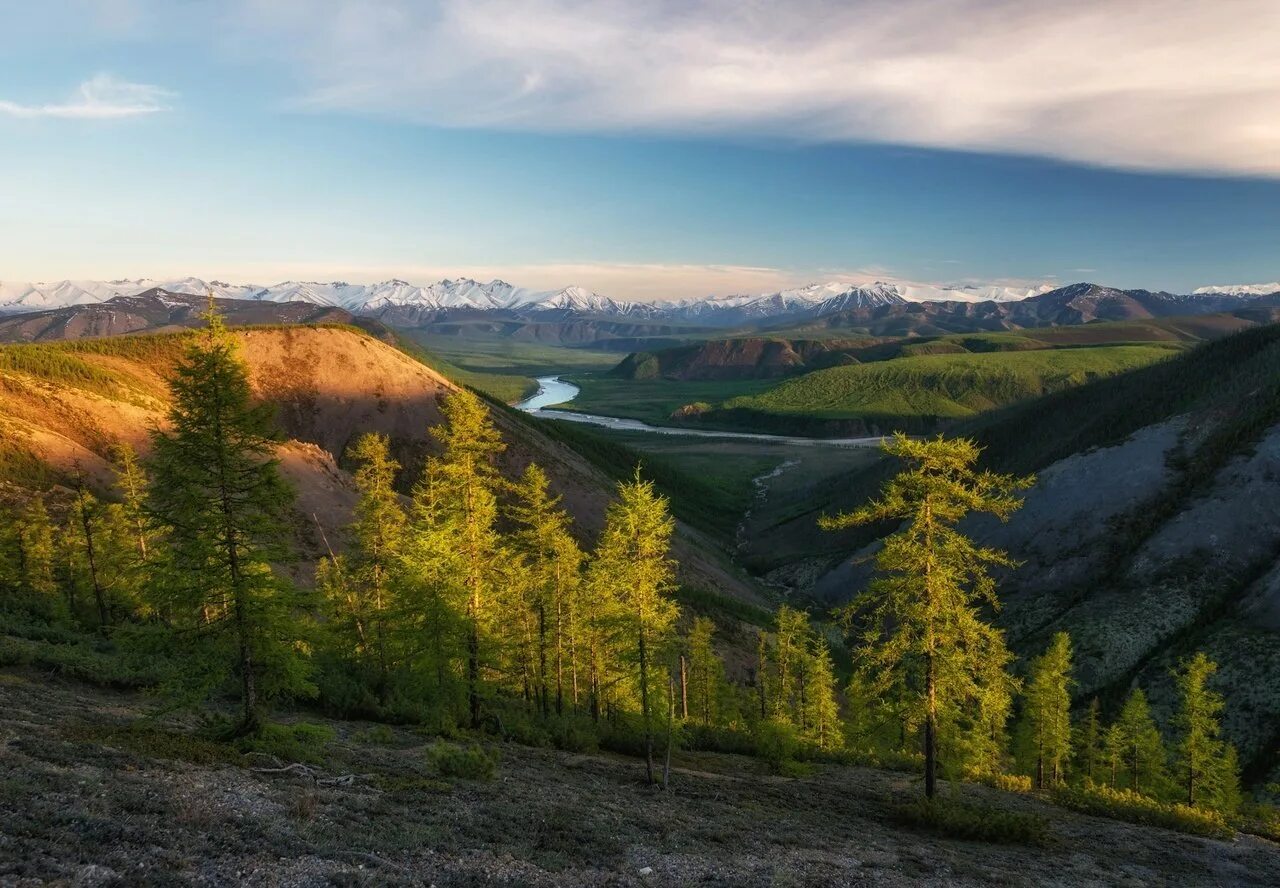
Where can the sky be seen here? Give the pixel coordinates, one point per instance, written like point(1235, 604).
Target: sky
point(642, 149)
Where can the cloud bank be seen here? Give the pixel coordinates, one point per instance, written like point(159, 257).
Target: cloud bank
point(102, 97)
point(1176, 85)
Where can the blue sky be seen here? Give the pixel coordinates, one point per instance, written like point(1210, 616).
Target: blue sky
point(643, 150)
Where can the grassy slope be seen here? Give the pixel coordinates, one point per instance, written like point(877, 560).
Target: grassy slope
point(504, 369)
point(653, 400)
point(950, 386)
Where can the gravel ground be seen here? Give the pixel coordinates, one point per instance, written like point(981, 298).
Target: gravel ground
point(82, 804)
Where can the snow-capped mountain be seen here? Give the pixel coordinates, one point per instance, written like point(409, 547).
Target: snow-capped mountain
point(400, 302)
point(1238, 290)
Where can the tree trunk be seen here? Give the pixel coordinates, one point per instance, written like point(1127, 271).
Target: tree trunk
point(684, 688)
point(671, 717)
point(930, 732)
point(644, 707)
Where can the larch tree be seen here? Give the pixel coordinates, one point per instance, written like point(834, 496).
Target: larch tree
point(633, 552)
point(217, 485)
point(1047, 709)
point(1090, 754)
point(924, 626)
point(34, 557)
point(788, 656)
point(1141, 748)
point(706, 673)
point(544, 540)
point(821, 716)
point(1200, 750)
point(377, 533)
point(131, 482)
point(466, 503)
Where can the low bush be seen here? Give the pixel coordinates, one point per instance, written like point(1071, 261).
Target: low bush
point(461, 762)
point(973, 822)
point(1007, 782)
point(155, 742)
point(299, 742)
point(1125, 804)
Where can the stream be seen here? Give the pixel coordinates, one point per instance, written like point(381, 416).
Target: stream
point(554, 391)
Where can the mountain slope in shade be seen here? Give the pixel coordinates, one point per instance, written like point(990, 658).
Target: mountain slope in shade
point(154, 311)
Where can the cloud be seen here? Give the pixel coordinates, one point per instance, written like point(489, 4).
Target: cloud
point(1141, 84)
point(102, 97)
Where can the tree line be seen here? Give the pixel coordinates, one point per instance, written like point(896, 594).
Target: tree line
point(466, 601)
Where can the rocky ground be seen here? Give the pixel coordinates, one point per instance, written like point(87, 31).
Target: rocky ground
point(83, 801)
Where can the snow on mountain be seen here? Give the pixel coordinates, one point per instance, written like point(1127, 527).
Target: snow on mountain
point(407, 301)
point(1238, 290)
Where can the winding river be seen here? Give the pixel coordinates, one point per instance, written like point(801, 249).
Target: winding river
point(554, 391)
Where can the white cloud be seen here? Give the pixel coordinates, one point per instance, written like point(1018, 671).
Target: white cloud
point(102, 97)
point(1141, 84)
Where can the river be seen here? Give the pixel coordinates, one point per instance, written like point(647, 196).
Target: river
point(554, 391)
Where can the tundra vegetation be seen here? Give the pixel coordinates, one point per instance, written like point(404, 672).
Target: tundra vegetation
point(470, 608)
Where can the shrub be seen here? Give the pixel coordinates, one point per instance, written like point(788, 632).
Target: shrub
point(155, 742)
point(300, 742)
point(1007, 782)
point(776, 743)
point(462, 762)
point(972, 822)
point(1125, 804)
point(1261, 820)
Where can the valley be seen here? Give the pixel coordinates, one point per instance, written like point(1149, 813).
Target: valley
point(1142, 538)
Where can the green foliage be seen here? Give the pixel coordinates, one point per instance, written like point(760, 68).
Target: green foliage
point(973, 822)
point(471, 762)
point(910, 392)
point(926, 648)
point(1047, 711)
point(217, 485)
point(1134, 807)
point(1205, 765)
point(1136, 745)
point(1089, 755)
point(157, 742)
point(298, 742)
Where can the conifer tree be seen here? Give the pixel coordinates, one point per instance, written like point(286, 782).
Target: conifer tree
point(34, 557)
point(1113, 749)
point(131, 482)
point(371, 564)
point(1090, 754)
point(1200, 750)
point(788, 658)
point(86, 509)
point(1048, 709)
point(216, 483)
point(1142, 750)
point(633, 554)
point(924, 627)
point(466, 482)
point(821, 716)
point(706, 673)
point(554, 560)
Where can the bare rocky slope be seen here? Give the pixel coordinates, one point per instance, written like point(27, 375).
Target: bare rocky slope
point(90, 796)
point(66, 404)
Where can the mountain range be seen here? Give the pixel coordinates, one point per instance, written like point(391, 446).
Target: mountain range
point(403, 304)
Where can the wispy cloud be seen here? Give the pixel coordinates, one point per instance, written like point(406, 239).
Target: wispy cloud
point(1143, 84)
point(102, 97)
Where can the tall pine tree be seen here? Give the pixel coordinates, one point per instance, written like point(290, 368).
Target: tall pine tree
point(1141, 751)
point(1048, 709)
point(1202, 767)
point(924, 627)
point(633, 556)
point(216, 483)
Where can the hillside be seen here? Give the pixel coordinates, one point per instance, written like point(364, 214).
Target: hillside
point(1154, 529)
point(156, 311)
point(88, 799)
point(917, 391)
point(65, 404)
